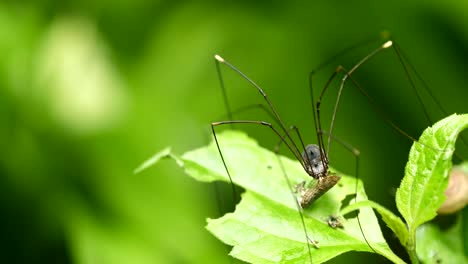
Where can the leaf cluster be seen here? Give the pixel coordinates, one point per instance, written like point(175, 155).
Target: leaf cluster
point(266, 227)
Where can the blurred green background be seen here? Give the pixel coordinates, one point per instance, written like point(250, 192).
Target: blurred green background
point(90, 89)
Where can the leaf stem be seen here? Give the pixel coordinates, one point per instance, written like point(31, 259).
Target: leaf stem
point(411, 247)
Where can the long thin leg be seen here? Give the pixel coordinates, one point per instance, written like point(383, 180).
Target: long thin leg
point(382, 36)
point(379, 111)
point(348, 76)
point(316, 107)
point(248, 108)
point(265, 97)
point(223, 90)
point(376, 108)
point(316, 111)
point(242, 110)
point(307, 155)
point(343, 81)
point(273, 113)
point(299, 209)
point(356, 153)
point(402, 58)
point(340, 69)
point(413, 86)
point(262, 123)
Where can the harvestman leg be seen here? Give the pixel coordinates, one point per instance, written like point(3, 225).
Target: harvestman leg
point(275, 114)
point(402, 58)
point(318, 126)
point(317, 120)
point(293, 148)
point(347, 75)
point(289, 142)
point(247, 108)
point(340, 90)
point(287, 139)
point(263, 123)
point(356, 153)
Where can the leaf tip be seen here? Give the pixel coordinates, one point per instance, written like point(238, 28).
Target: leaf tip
point(153, 160)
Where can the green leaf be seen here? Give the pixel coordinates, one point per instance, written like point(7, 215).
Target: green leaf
point(426, 174)
point(441, 246)
point(393, 222)
point(266, 227)
point(153, 160)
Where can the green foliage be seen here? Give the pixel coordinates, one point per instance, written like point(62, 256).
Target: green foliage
point(435, 245)
point(421, 191)
point(393, 222)
point(91, 88)
point(266, 226)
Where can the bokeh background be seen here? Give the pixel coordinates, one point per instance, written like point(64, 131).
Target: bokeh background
point(90, 89)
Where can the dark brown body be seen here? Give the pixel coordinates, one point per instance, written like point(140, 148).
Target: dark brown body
point(323, 185)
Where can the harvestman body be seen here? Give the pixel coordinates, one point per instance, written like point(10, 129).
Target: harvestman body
point(313, 160)
point(314, 157)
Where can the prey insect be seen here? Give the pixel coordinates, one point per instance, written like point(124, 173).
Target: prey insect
point(335, 221)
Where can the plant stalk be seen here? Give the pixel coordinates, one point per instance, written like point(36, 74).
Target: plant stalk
point(411, 247)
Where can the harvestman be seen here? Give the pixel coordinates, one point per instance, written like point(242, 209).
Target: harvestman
point(313, 157)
